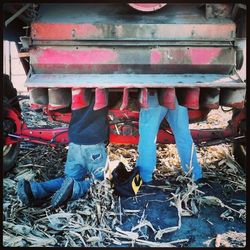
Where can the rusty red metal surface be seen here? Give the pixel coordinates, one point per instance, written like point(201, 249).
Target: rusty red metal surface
point(170, 31)
point(143, 98)
point(101, 98)
point(54, 136)
point(197, 115)
point(35, 106)
point(170, 50)
point(167, 97)
point(130, 136)
point(45, 136)
point(194, 115)
point(125, 98)
point(15, 116)
point(188, 97)
point(80, 98)
point(91, 59)
point(57, 116)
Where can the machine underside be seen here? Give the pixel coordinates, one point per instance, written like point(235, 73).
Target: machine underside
point(184, 51)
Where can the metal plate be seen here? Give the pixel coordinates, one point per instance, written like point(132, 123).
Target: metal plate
point(133, 80)
point(132, 59)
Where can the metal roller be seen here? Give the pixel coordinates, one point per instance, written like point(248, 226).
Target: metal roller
point(125, 97)
point(80, 98)
point(232, 97)
point(167, 97)
point(59, 98)
point(143, 98)
point(209, 98)
point(188, 97)
point(101, 98)
point(38, 97)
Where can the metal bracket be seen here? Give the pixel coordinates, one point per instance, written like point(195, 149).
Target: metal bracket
point(18, 13)
point(26, 42)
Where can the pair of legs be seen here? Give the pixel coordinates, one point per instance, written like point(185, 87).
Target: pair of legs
point(82, 160)
point(149, 123)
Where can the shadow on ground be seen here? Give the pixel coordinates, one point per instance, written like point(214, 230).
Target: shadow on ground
point(200, 230)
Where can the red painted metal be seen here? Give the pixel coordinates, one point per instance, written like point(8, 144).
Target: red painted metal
point(171, 31)
point(35, 106)
point(101, 98)
point(167, 97)
point(62, 31)
point(189, 55)
point(194, 115)
point(125, 97)
point(57, 116)
point(15, 116)
point(60, 135)
point(143, 99)
point(45, 136)
point(94, 50)
point(197, 115)
point(54, 136)
point(124, 114)
point(123, 139)
point(80, 98)
point(84, 55)
point(147, 7)
point(189, 97)
point(237, 118)
point(204, 55)
point(119, 59)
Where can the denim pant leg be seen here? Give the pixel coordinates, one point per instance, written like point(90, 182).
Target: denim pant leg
point(179, 123)
point(95, 158)
point(41, 190)
point(75, 166)
point(149, 121)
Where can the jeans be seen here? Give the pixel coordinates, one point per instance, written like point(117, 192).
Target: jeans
point(81, 160)
point(149, 123)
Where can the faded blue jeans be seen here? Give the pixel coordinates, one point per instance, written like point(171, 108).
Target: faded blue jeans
point(81, 160)
point(149, 123)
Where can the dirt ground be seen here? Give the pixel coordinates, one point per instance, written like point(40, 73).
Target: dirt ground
point(171, 212)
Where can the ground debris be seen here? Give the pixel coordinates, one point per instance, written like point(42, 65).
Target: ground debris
point(230, 239)
point(95, 220)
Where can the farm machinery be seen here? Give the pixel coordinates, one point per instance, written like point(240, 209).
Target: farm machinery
point(122, 51)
